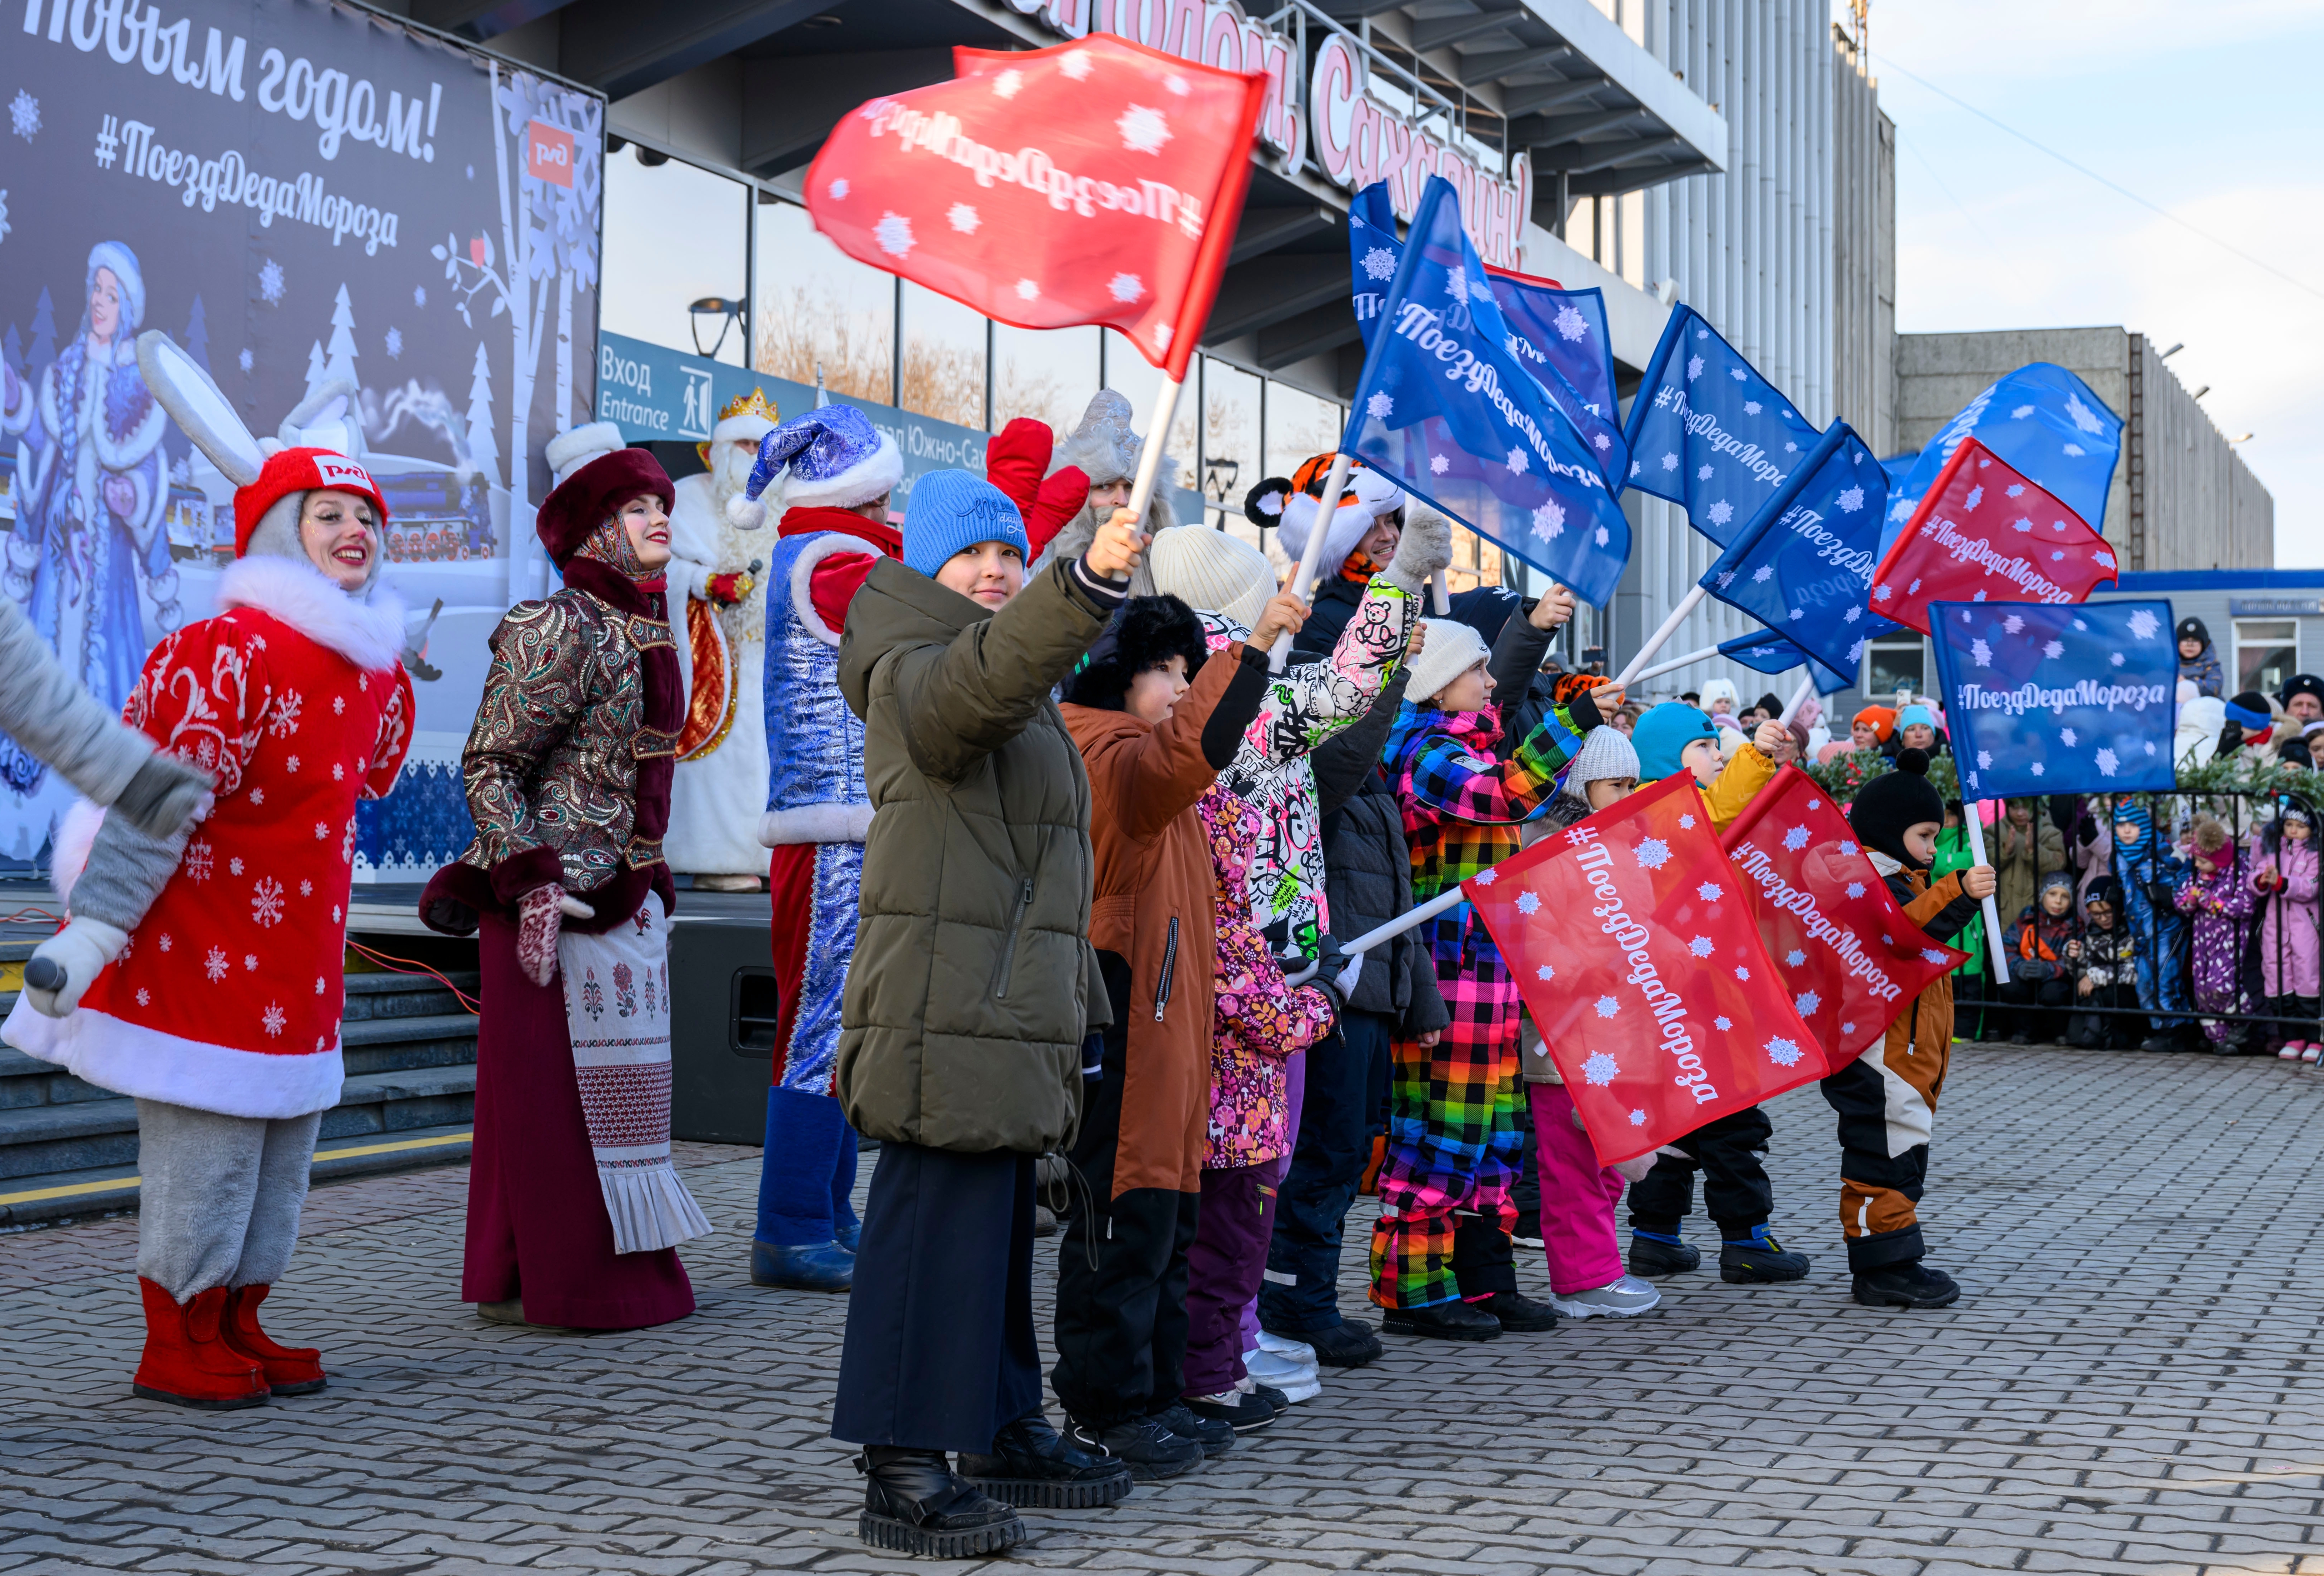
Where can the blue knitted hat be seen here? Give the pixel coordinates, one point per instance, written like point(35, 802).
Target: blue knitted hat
point(953, 510)
point(1662, 736)
point(1915, 715)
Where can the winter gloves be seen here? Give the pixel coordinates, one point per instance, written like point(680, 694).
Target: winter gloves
point(1014, 460)
point(540, 914)
point(1425, 548)
point(63, 966)
point(166, 796)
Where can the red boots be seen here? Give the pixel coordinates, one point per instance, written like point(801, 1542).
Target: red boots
point(290, 1370)
point(210, 1353)
point(185, 1361)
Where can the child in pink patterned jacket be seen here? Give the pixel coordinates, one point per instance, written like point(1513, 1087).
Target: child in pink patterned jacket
point(1261, 1023)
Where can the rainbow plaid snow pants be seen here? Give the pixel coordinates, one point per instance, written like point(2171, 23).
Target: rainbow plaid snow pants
point(1453, 1144)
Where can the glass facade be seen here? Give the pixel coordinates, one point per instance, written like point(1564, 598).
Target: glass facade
point(813, 306)
point(943, 359)
point(674, 234)
point(1230, 443)
point(1048, 376)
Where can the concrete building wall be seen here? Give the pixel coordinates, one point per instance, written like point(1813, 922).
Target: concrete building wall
point(1864, 253)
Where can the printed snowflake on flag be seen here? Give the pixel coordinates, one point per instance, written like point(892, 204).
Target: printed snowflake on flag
point(1076, 67)
point(1784, 1052)
point(1847, 1029)
point(1750, 407)
point(2108, 761)
point(2013, 624)
point(2065, 737)
point(1805, 1002)
point(1978, 597)
point(1742, 973)
point(1737, 373)
point(1126, 286)
point(1850, 500)
point(1702, 472)
point(1652, 853)
point(1686, 823)
point(269, 282)
point(1548, 520)
point(2037, 769)
point(1856, 888)
point(1517, 461)
point(1794, 958)
point(1379, 407)
point(1976, 496)
point(1456, 282)
point(1700, 946)
point(2018, 489)
point(1528, 903)
point(1599, 1069)
point(273, 1017)
point(1763, 574)
point(2023, 525)
point(2143, 623)
point(963, 217)
point(2053, 649)
point(2117, 659)
point(838, 189)
point(1985, 760)
point(1379, 263)
point(1720, 512)
point(1175, 84)
point(24, 111)
point(1670, 462)
point(1710, 891)
point(1143, 130)
point(2105, 559)
point(1693, 368)
point(1883, 592)
point(1607, 1006)
point(2022, 412)
point(1726, 578)
point(1638, 1118)
point(246, 360)
point(1796, 838)
point(1027, 290)
point(1981, 653)
point(1544, 973)
point(1008, 83)
point(1486, 877)
point(1602, 443)
point(1571, 324)
point(894, 234)
point(1930, 955)
point(215, 965)
point(1847, 845)
point(1438, 465)
point(2081, 415)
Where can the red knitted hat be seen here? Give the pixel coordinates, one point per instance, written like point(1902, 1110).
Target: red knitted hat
point(298, 470)
point(585, 499)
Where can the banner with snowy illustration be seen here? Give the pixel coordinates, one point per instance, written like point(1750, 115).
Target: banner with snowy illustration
point(2058, 700)
point(1840, 939)
point(1631, 940)
point(374, 240)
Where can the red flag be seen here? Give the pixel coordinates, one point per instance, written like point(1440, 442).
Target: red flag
point(1842, 945)
point(1632, 942)
point(1983, 533)
point(1096, 181)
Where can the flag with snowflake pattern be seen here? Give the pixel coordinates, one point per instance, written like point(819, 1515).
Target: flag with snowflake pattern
point(1095, 181)
point(1446, 411)
point(1631, 940)
point(1769, 653)
point(2041, 420)
point(1838, 939)
point(1709, 433)
point(1804, 564)
point(1983, 533)
point(2058, 700)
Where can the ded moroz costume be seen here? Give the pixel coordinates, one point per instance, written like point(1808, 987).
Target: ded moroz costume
point(201, 972)
point(568, 770)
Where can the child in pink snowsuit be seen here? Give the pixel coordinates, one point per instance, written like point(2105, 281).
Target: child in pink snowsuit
point(2284, 866)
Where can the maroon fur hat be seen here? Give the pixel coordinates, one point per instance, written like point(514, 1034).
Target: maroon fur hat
point(587, 498)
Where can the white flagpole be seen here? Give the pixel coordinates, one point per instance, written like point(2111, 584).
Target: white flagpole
point(1673, 665)
point(1661, 637)
point(1441, 594)
point(1799, 697)
point(1976, 824)
point(1157, 437)
point(1303, 579)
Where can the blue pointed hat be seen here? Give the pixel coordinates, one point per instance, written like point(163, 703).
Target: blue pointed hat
point(832, 457)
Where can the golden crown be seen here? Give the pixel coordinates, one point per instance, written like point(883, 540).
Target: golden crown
point(754, 403)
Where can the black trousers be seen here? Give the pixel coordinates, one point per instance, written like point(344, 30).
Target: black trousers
point(940, 1351)
point(1122, 1262)
point(1879, 1192)
point(1347, 1082)
point(1735, 1192)
point(2037, 1008)
point(2100, 1031)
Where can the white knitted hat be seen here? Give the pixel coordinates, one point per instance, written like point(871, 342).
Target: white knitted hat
point(1450, 649)
point(1212, 571)
point(1605, 752)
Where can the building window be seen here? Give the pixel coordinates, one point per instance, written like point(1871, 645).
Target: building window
point(814, 307)
point(1048, 375)
point(674, 234)
point(1230, 443)
point(2267, 652)
point(1137, 380)
point(943, 372)
point(1893, 666)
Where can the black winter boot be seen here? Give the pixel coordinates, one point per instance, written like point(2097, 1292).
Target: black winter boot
point(1452, 1321)
point(1759, 1258)
point(1910, 1284)
point(1215, 1437)
point(914, 1504)
point(1032, 1464)
point(1519, 1313)
point(1350, 1343)
point(1654, 1253)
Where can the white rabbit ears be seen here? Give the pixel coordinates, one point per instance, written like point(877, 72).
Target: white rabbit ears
point(199, 408)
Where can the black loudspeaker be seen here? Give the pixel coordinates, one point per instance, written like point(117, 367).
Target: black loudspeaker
point(722, 1020)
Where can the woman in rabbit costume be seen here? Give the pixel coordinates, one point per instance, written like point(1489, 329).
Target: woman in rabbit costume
point(575, 1209)
point(183, 978)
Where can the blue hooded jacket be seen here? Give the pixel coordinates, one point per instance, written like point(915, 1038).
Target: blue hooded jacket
point(2137, 864)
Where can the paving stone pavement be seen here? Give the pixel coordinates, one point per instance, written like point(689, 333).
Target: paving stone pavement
point(2134, 1383)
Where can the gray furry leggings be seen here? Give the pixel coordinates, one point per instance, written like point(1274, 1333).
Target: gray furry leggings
point(221, 1196)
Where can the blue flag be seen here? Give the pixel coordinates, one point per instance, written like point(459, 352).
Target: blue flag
point(1445, 410)
point(2042, 422)
point(1804, 566)
point(1709, 433)
point(2058, 700)
point(1373, 255)
point(1766, 652)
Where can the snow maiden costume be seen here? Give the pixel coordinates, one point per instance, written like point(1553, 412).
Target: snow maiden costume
point(182, 980)
point(567, 773)
point(718, 543)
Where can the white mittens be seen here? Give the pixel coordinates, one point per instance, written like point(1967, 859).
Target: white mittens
point(1425, 548)
point(63, 966)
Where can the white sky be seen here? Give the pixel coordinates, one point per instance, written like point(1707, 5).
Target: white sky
point(2212, 111)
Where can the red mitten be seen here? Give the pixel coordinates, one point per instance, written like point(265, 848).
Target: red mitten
point(728, 588)
point(1015, 460)
point(1061, 498)
point(539, 914)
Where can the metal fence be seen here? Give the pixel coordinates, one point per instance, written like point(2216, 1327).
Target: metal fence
point(2225, 980)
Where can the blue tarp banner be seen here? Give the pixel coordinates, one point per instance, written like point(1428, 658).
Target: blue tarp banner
point(1444, 409)
point(2057, 700)
point(2044, 423)
point(1709, 433)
